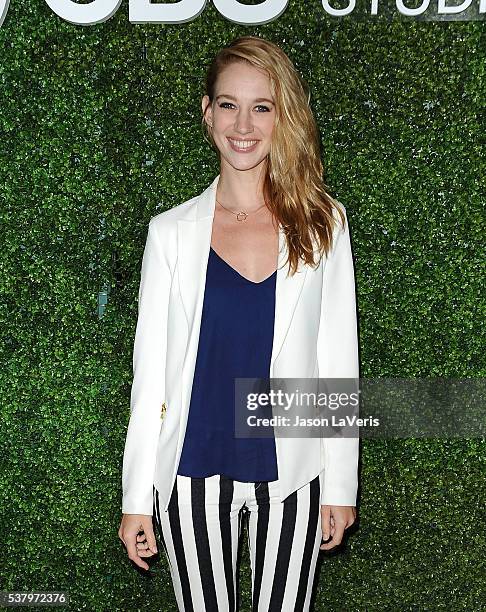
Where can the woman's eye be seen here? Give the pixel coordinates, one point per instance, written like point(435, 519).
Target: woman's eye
point(227, 104)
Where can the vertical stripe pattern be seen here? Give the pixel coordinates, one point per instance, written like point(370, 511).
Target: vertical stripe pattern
point(200, 532)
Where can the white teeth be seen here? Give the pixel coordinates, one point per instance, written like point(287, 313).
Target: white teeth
point(242, 144)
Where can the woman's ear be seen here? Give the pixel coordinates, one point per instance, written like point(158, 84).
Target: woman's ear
point(207, 110)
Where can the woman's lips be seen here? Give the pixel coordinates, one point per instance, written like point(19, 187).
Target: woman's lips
point(243, 150)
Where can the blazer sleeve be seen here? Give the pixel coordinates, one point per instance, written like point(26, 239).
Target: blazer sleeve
point(148, 386)
point(338, 357)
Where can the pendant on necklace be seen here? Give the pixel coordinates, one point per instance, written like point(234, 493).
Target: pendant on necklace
point(241, 216)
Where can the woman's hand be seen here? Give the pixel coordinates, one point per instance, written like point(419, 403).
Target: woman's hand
point(334, 520)
point(143, 545)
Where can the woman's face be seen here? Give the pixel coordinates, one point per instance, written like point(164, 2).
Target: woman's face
point(242, 115)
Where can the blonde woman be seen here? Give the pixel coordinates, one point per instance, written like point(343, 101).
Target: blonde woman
point(253, 277)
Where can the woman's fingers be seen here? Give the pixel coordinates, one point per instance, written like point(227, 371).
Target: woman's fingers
point(142, 543)
point(149, 534)
point(334, 521)
point(137, 534)
point(133, 554)
point(338, 534)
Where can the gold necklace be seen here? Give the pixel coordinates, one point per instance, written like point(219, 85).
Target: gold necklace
point(241, 215)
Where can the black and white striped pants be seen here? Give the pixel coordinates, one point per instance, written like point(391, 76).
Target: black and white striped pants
point(201, 529)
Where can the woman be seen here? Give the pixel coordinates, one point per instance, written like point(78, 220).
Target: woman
point(217, 302)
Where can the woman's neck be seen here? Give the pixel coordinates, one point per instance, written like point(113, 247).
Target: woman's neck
point(240, 189)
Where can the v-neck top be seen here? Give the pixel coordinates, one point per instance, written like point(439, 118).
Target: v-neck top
point(235, 340)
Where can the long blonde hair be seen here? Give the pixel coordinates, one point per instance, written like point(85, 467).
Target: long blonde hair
point(293, 188)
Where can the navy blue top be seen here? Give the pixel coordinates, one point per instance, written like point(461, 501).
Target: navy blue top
point(235, 340)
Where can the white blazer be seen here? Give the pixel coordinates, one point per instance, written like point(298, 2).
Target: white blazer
point(315, 335)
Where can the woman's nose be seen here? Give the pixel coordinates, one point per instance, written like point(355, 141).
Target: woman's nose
point(244, 123)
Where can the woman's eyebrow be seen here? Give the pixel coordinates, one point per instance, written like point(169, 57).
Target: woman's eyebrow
point(255, 100)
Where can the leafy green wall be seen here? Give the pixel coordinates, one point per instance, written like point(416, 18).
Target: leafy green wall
point(100, 131)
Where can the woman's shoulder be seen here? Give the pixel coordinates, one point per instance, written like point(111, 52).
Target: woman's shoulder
point(340, 217)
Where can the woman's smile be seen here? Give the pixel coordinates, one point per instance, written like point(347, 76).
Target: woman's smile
point(243, 146)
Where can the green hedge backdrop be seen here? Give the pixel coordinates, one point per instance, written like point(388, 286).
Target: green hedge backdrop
point(100, 131)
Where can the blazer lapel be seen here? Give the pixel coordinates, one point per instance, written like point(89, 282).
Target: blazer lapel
point(193, 244)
